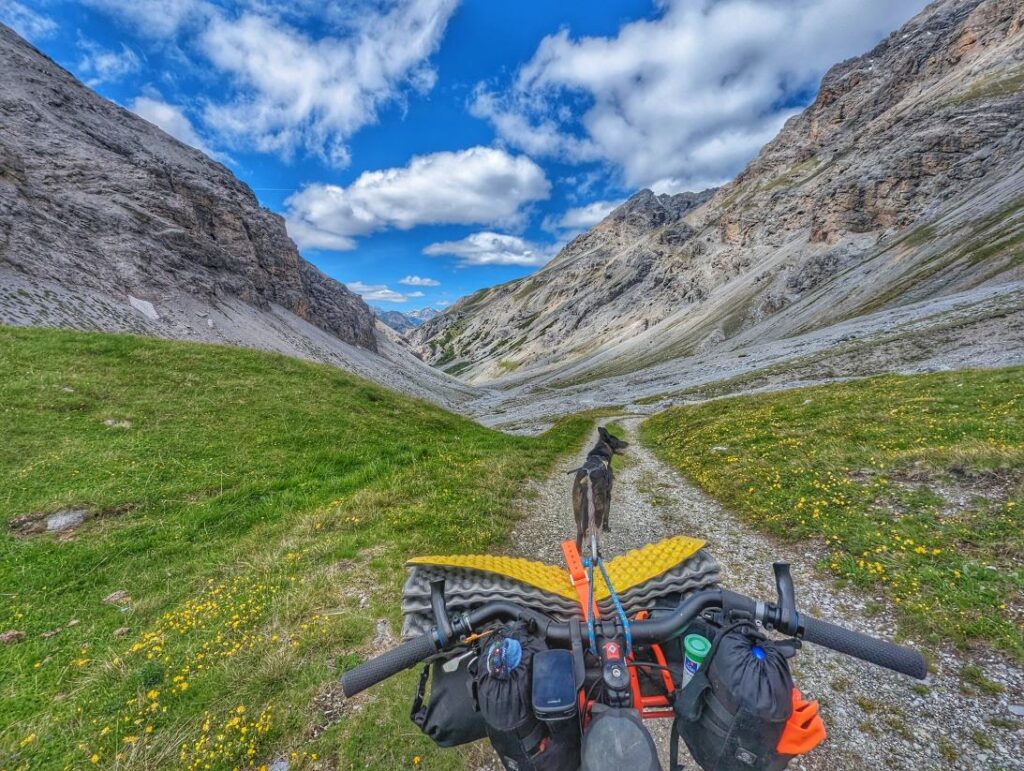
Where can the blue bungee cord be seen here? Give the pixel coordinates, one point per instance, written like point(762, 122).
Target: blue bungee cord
point(592, 636)
point(589, 564)
point(618, 607)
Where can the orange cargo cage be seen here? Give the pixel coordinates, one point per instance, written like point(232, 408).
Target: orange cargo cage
point(650, 706)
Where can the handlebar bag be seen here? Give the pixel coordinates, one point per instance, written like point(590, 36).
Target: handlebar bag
point(450, 717)
point(732, 713)
point(503, 680)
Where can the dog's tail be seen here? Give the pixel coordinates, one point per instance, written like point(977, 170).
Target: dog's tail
point(576, 470)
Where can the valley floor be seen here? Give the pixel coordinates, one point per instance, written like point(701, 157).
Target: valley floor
point(982, 327)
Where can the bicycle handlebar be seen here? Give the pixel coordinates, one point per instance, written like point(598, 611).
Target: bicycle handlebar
point(861, 646)
point(864, 647)
point(376, 670)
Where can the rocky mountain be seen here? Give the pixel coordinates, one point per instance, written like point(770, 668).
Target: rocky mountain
point(403, 322)
point(107, 222)
point(423, 314)
point(901, 184)
point(398, 321)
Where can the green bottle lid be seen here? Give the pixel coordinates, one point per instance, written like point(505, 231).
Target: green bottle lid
point(697, 647)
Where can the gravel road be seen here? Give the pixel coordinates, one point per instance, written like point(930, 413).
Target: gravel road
point(875, 719)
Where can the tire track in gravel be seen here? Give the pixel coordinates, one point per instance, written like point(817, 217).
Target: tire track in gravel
point(875, 719)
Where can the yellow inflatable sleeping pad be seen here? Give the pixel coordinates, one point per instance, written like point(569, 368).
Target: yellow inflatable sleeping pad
point(625, 571)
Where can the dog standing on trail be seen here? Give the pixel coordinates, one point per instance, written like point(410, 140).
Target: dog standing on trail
point(592, 487)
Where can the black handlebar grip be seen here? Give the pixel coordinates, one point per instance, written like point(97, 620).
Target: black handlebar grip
point(371, 672)
point(861, 646)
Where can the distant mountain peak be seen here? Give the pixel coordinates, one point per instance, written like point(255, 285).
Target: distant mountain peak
point(404, 321)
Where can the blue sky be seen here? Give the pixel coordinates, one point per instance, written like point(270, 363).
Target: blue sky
point(422, 149)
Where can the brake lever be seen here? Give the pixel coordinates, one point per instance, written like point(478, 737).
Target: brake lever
point(788, 621)
point(443, 623)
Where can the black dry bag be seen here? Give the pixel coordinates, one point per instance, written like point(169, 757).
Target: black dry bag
point(503, 677)
point(450, 717)
point(732, 713)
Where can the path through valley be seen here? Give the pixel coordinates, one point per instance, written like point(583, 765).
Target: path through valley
point(875, 719)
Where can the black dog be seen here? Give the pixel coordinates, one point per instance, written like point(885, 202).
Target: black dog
point(592, 488)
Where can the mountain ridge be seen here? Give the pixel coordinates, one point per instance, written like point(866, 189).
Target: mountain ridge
point(405, 321)
point(899, 182)
point(94, 197)
point(109, 223)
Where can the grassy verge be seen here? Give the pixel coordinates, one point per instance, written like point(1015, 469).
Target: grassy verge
point(914, 484)
point(256, 510)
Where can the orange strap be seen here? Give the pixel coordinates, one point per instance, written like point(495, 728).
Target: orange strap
point(804, 730)
point(578, 576)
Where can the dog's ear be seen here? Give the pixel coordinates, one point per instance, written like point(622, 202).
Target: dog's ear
point(603, 432)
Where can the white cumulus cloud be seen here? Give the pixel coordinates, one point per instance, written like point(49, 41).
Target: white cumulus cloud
point(419, 281)
point(291, 90)
point(580, 218)
point(683, 100)
point(25, 21)
point(380, 292)
point(172, 119)
point(480, 185)
point(100, 65)
point(488, 248)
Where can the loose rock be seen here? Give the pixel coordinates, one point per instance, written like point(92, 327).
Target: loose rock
point(383, 637)
point(65, 520)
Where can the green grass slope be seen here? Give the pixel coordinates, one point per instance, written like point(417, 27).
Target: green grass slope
point(257, 510)
point(913, 485)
